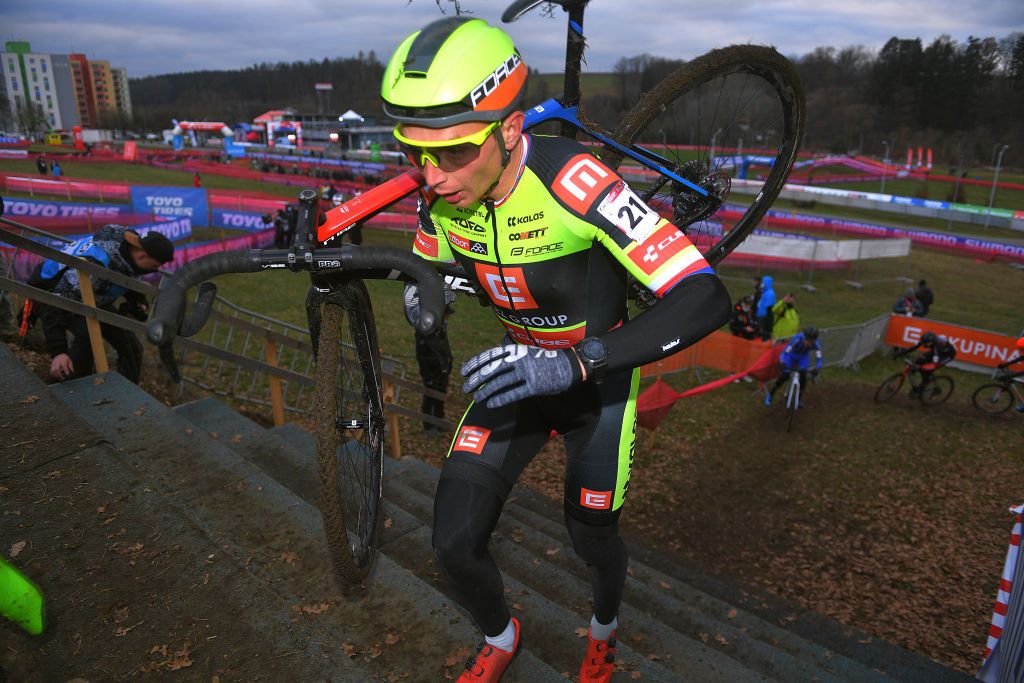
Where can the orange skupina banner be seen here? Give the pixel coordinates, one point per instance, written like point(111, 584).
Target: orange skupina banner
point(719, 350)
point(977, 347)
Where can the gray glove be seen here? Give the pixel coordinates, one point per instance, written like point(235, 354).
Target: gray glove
point(411, 301)
point(506, 374)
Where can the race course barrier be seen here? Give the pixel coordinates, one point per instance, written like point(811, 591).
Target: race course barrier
point(978, 350)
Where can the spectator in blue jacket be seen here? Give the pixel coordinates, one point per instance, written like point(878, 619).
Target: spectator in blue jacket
point(764, 306)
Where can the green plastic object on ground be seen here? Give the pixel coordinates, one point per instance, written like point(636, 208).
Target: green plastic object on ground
point(21, 601)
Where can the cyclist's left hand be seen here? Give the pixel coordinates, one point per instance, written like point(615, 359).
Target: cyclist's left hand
point(505, 374)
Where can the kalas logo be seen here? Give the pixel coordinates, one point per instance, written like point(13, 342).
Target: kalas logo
point(513, 221)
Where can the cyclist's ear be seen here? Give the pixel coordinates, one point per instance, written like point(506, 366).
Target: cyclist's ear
point(512, 128)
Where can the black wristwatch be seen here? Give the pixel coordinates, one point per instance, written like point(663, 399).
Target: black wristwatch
point(594, 355)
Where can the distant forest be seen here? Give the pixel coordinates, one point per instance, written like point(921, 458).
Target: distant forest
point(948, 95)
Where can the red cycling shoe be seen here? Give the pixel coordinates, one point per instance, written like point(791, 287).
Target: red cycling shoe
point(599, 662)
point(489, 662)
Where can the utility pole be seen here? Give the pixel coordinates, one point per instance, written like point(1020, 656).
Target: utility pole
point(995, 179)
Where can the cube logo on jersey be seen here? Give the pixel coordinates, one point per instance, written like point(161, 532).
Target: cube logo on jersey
point(471, 439)
point(506, 287)
point(595, 500)
point(581, 180)
point(659, 248)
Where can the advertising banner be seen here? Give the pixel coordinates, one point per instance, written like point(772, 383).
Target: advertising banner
point(131, 150)
point(237, 220)
point(36, 208)
point(976, 347)
point(172, 203)
point(175, 231)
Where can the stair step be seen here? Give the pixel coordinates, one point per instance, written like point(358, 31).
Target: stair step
point(257, 521)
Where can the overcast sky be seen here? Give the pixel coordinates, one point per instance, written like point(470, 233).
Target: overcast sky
point(158, 36)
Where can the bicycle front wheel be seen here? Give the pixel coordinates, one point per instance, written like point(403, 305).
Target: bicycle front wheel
point(889, 388)
point(350, 433)
point(938, 391)
point(792, 405)
point(730, 121)
point(992, 399)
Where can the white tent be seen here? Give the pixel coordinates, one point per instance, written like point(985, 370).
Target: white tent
point(350, 117)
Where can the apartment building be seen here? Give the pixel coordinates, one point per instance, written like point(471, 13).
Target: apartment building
point(72, 90)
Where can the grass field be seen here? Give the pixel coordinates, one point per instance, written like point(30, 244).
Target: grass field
point(889, 517)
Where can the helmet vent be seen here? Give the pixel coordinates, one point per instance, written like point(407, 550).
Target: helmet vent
point(424, 48)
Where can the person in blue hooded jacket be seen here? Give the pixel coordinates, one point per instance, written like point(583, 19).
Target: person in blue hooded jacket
point(764, 306)
point(67, 338)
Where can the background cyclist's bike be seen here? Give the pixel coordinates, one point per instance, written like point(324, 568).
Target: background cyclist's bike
point(1000, 396)
point(937, 390)
point(746, 90)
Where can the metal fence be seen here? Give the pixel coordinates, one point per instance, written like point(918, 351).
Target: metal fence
point(251, 343)
point(856, 342)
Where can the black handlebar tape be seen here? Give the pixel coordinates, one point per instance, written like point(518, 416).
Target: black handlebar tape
point(430, 283)
point(169, 306)
point(200, 309)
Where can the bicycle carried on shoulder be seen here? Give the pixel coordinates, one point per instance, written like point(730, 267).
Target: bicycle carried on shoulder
point(936, 390)
point(998, 397)
point(748, 89)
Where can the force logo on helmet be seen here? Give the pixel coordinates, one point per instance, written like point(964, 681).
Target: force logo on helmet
point(493, 80)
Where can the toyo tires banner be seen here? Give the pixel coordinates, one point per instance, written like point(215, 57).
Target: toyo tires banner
point(237, 220)
point(171, 203)
point(175, 231)
point(36, 208)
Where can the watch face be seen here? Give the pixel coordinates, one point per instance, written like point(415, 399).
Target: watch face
point(593, 350)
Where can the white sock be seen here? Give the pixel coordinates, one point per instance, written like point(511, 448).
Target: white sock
point(506, 641)
point(599, 631)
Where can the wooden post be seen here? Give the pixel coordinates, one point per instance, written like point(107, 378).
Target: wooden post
point(276, 396)
point(396, 443)
point(99, 354)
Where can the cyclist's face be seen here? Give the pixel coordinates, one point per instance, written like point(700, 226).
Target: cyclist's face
point(464, 171)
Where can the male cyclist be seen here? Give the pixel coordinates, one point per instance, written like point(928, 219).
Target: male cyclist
point(1014, 361)
point(797, 356)
point(549, 234)
point(938, 351)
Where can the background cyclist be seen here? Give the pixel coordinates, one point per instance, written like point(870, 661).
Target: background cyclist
point(938, 351)
point(549, 234)
point(1019, 358)
point(797, 356)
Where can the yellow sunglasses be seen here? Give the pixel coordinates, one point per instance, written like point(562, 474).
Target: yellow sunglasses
point(451, 153)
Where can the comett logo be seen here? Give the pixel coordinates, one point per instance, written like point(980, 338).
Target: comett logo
point(595, 500)
point(506, 287)
point(471, 439)
point(581, 181)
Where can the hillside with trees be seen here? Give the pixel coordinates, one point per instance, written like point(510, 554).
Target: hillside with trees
point(948, 95)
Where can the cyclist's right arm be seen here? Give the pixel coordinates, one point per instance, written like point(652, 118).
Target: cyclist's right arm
point(906, 352)
point(1012, 361)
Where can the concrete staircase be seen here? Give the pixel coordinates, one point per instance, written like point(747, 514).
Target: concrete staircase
point(243, 500)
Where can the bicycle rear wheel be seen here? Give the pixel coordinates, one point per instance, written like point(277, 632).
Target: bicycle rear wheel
point(992, 399)
point(889, 388)
point(743, 99)
point(938, 391)
point(350, 433)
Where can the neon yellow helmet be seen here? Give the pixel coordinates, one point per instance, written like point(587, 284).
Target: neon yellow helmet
point(453, 70)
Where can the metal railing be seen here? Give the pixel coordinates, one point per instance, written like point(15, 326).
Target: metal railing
point(240, 354)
